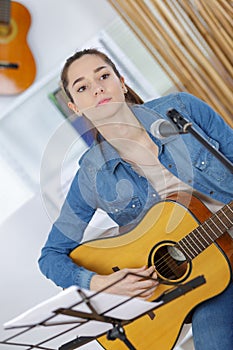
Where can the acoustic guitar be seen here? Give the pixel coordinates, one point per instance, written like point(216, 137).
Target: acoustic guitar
point(17, 65)
point(183, 240)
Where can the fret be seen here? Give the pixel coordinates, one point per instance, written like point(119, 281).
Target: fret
point(188, 246)
point(212, 230)
point(195, 243)
point(191, 245)
point(200, 239)
point(231, 222)
point(204, 235)
point(217, 227)
point(203, 238)
point(182, 246)
point(208, 238)
point(220, 221)
point(229, 217)
point(229, 206)
point(5, 12)
point(226, 227)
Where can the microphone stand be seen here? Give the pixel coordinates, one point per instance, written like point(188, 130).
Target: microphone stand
point(186, 127)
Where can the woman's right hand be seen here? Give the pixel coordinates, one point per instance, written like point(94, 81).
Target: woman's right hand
point(128, 284)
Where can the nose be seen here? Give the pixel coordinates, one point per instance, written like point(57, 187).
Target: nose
point(98, 89)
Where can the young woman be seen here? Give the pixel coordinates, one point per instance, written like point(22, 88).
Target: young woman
point(127, 171)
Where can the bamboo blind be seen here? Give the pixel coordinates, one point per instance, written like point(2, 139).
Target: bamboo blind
point(193, 42)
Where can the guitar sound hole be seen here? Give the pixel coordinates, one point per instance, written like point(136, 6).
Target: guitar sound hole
point(170, 262)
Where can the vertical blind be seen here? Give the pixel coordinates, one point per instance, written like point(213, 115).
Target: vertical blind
point(152, 82)
point(193, 42)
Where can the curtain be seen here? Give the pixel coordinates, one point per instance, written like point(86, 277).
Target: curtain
point(192, 40)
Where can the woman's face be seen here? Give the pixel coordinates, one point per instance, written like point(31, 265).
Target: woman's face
point(96, 90)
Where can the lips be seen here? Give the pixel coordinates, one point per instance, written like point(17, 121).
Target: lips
point(103, 101)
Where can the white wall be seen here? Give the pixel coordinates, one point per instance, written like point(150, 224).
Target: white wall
point(58, 28)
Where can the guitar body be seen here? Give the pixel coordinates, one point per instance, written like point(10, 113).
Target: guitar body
point(166, 223)
point(17, 65)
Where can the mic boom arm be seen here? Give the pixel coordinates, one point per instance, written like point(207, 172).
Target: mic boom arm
point(186, 126)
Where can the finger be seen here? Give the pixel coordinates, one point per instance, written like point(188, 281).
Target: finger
point(148, 272)
point(151, 270)
point(154, 276)
point(145, 285)
point(138, 270)
point(145, 294)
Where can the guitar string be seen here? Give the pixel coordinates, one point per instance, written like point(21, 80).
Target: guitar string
point(200, 238)
point(163, 263)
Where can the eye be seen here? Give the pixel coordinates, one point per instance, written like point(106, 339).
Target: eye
point(82, 88)
point(104, 76)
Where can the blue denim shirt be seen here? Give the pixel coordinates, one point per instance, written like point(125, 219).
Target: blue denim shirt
point(106, 181)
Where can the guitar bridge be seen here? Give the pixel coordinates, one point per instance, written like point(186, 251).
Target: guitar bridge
point(9, 65)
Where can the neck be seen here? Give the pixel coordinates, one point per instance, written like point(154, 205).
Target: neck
point(121, 126)
point(125, 133)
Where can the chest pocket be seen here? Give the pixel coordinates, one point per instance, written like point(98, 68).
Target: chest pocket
point(124, 211)
point(207, 162)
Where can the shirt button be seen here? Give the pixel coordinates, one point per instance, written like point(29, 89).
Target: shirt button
point(154, 195)
point(202, 162)
point(116, 210)
point(133, 205)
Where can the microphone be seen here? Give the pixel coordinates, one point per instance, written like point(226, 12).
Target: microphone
point(162, 128)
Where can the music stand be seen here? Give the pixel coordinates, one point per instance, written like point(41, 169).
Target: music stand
point(86, 313)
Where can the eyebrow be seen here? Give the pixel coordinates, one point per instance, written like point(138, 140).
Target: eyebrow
point(96, 70)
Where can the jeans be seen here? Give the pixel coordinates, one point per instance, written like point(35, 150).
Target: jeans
point(212, 322)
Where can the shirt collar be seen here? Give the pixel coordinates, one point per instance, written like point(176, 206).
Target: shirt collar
point(147, 117)
point(111, 157)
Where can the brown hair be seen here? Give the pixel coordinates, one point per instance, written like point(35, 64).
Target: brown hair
point(130, 97)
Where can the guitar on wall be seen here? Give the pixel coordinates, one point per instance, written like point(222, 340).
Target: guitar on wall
point(183, 240)
point(17, 64)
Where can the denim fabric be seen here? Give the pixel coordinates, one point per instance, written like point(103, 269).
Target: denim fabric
point(212, 323)
point(105, 181)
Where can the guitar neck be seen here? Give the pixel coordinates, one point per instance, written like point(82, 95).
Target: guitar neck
point(5, 16)
point(204, 235)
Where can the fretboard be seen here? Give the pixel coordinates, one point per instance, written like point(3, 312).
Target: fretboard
point(205, 234)
point(5, 12)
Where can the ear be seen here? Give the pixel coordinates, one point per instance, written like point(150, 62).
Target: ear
point(73, 107)
point(122, 79)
